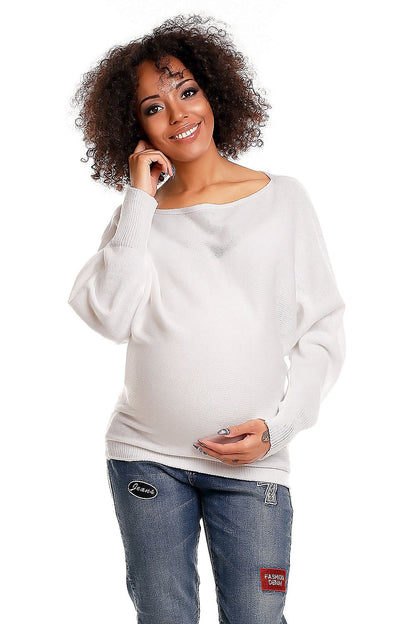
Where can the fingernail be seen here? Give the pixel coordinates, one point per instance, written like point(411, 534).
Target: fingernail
point(224, 431)
point(201, 443)
point(200, 449)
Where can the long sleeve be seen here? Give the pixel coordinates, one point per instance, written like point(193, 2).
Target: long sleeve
point(317, 350)
point(116, 281)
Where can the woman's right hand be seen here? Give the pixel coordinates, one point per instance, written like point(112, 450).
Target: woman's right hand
point(141, 175)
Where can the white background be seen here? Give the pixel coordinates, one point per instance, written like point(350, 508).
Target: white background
point(340, 77)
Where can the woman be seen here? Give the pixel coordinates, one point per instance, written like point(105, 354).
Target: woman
point(212, 279)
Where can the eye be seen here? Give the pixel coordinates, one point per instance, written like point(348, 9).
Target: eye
point(193, 90)
point(148, 111)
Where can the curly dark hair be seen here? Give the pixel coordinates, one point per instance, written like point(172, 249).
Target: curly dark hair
point(106, 95)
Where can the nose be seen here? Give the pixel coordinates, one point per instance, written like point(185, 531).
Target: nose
point(176, 113)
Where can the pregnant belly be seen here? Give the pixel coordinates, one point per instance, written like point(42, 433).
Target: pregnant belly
point(185, 389)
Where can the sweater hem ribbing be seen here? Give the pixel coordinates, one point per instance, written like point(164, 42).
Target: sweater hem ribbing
point(127, 452)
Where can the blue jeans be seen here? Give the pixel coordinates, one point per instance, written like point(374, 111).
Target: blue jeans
point(248, 528)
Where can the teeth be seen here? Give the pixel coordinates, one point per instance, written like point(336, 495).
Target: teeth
point(185, 134)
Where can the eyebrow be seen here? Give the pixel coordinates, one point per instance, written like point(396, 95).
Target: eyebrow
point(149, 97)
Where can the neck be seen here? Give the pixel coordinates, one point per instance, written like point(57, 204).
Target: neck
point(196, 175)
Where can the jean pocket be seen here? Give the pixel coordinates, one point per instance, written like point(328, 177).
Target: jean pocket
point(110, 484)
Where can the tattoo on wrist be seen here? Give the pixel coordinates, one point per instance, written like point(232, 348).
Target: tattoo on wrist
point(265, 436)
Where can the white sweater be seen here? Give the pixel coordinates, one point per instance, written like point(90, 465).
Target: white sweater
point(210, 299)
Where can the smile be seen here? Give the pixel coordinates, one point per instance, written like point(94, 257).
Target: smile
point(190, 134)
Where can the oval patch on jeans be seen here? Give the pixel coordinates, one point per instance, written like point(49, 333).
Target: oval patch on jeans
point(141, 489)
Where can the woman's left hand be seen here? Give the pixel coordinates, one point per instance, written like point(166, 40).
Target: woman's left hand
point(254, 446)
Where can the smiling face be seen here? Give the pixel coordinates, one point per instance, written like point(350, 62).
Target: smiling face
point(170, 105)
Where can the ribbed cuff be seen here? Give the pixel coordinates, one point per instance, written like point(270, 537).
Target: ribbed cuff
point(280, 433)
point(135, 218)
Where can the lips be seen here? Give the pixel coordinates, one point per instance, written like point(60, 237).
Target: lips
point(185, 129)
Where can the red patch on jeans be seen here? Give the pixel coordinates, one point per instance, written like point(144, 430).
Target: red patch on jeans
point(273, 579)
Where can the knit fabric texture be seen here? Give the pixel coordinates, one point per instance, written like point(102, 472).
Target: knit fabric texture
point(230, 312)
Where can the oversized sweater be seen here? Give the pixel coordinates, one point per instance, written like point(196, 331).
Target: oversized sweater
point(230, 312)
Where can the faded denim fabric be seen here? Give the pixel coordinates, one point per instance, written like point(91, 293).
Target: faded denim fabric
point(248, 528)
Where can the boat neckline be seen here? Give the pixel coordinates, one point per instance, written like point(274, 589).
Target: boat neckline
point(195, 207)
